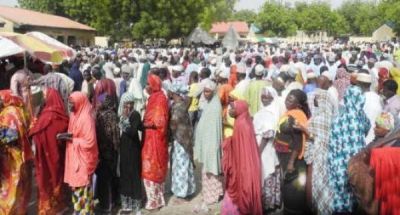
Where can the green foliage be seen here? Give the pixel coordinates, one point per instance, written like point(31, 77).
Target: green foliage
point(276, 20)
point(248, 16)
point(142, 19)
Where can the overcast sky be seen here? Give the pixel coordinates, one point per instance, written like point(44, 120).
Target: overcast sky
point(242, 4)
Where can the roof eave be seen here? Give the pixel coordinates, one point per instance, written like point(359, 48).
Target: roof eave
point(18, 25)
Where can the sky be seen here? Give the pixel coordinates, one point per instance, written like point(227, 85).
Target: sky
point(242, 4)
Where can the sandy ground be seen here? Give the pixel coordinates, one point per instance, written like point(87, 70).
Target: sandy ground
point(171, 208)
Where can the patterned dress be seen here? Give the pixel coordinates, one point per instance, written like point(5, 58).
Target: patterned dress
point(183, 182)
point(317, 151)
point(347, 138)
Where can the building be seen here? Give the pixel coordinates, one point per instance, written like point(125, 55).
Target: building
point(219, 29)
point(63, 29)
point(383, 33)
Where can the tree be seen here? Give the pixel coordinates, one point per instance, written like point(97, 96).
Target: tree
point(45, 6)
point(276, 20)
point(363, 17)
point(390, 10)
point(248, 16)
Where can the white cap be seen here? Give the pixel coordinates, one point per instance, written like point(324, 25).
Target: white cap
point(123, 59)
point(328, 75)
point(177, 68)
point(363, 77)
point(117, 71)
point(311, 74)
point(259, 70)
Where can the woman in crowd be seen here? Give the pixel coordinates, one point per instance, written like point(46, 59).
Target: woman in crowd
point(108, 135)
point(289, 144)
point(50, 153)
point(130, 124)
point(342, 82)
point(15, 155)
point(183, 182)
point(155, 146)
point(347, 137)
point(265, 124)
point(81, 155)
point(317, 153)
point(208, 141)
point(241, 165)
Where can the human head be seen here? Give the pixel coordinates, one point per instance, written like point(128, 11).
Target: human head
point(87, 75)
point(194, 77)
point(153, 84)
point(297, 99)
point(96, 73)
point(209, 89)
point(323, 82)
point(47, 69)
point(268, 94)
point(389, 88)
point(238, 108)
point(364, 80)
point(126, 103)
point(205, 73)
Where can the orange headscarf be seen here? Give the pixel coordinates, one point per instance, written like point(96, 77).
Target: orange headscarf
point(154, 83)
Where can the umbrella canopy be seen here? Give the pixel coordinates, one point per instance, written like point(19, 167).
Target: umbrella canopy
point(231, 39)
point(198, 35)
point(68, 52)
point(35, 47)
point(9, 48)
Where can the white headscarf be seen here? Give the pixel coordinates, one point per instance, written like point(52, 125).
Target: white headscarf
point(267, 119)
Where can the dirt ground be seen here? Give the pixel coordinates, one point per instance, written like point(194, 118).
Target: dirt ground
point(171, 208)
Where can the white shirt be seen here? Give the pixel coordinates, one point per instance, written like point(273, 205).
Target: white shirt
point(372, 108)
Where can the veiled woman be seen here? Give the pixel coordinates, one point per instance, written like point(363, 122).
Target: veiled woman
point(265, 126)
point(50, 153)
point(130, 166)
point(241, 164)
point(15, 155)
point(108, 140)
point(81, 155)
point(208, 139)
point(155, 145)
point(182, 170)
point(347, 138)
point(319, 127)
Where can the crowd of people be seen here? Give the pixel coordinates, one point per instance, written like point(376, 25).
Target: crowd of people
point(270, 128)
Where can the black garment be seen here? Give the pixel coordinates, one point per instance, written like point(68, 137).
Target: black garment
point(130, 160)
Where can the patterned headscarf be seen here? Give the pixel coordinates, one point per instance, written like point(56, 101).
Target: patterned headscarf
point(126, 97)
point(342, 82)
point(385, 120)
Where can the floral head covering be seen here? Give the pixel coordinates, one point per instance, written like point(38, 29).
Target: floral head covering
point(385, 120)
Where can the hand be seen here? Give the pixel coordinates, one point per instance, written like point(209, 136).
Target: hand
point(64, 136)
point(290, 167)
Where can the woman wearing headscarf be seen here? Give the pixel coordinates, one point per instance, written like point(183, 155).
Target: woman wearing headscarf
point(208, 139)
point(50, 153)
point(342, 82)
point(265, 123)
point(155, 145)
point(183, 182)
point(317, 151)
point(347, 137)
point(383, 75)
point(130, 166)
point(229, 121)
point(15, 155)
point(81, 155)
point(241, 166)
point(289, 145)
point(76, 75)
point(107, 135)
point(104, 86)
point(136, 90)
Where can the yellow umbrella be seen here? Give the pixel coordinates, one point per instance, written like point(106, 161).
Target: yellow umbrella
point(35, 47)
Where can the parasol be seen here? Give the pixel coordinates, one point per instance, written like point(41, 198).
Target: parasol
point(9, 48)
point(35, 47)
point(68, 52)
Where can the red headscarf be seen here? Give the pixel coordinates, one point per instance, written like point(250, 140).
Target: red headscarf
point(82, 153)
point(383, 75)
point(154, 83)
point(241, 163)
point(49, 159)
point(104, 86)
point(155, 146)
